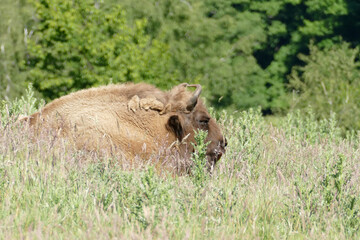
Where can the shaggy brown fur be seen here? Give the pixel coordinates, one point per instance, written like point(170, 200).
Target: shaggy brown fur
point(135, 119)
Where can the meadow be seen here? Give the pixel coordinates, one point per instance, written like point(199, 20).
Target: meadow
point(296, 180)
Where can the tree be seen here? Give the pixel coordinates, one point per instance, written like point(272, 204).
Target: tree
point(242, 51)
point(329, 83)
point(213, 43)
point(14, 31)
point(78, 44)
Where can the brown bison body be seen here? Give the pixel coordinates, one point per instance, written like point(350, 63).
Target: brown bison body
point(134, 119)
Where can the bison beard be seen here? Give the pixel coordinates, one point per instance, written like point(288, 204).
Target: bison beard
point(134, 119)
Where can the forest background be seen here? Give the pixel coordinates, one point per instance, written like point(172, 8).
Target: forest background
point(280, 55)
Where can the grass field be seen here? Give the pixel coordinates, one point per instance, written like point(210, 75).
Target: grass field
point(299, 180)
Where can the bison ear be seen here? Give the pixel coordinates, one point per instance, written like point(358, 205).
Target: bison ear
point(174, 125)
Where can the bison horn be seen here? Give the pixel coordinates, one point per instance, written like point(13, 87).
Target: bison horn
point(193, 100)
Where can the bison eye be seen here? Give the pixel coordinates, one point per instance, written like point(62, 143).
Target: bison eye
point(204, 121)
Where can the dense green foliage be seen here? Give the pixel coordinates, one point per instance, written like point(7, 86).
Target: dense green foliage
point(330, 82)
point(242, 51)
point(77, 44)
point(245, 53)
point(215, 43)
point(297, 181)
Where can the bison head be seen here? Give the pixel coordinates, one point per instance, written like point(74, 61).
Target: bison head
point(188, 115)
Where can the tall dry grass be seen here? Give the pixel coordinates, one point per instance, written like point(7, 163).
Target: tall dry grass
point(298, 180)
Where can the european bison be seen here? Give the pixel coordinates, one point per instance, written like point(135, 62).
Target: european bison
point(134, 119)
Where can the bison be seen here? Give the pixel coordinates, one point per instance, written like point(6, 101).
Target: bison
point(134, 119)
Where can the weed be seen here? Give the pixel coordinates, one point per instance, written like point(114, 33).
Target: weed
point(199, 170)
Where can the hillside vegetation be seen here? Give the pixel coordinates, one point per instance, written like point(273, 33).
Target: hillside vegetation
point(295, 181)
point(280, 55)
